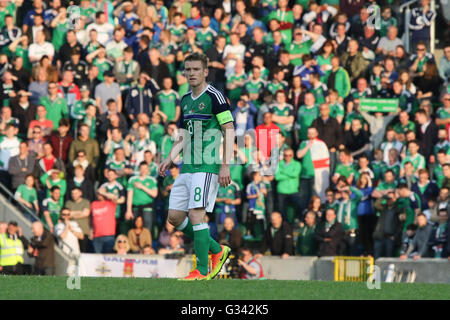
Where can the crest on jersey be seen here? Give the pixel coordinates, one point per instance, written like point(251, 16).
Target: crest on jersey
point(201, 106)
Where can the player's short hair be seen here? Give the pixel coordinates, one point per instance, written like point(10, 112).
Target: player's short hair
point(197, 56)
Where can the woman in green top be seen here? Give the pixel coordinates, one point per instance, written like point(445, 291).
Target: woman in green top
point(324, 59)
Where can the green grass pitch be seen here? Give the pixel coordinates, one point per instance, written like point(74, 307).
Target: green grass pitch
point(39, 287)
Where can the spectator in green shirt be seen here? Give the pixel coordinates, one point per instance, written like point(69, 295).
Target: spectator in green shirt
point(288, 178)
point(27, 194)
point(142, 190)
point(306, 244)
point(55, 105)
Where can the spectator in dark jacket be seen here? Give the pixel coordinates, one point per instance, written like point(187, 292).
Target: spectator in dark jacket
point(425, 189)
point(439, 236)
point(42, 248)
point(388, 230)
point(24, 111)
point(420, 245)
point(61, 140)
point(278, 238)
point(155, 68)
point(140, 97)
point(330, 132)
point(230, 236)
point(426, 133)
point(329, 235)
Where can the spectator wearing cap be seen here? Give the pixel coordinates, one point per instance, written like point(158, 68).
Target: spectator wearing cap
point(109, 89)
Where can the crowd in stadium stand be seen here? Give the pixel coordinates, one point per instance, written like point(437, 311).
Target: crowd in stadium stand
point(90, 99)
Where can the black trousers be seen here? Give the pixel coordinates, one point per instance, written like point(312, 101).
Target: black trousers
point(366, 226)
point(13, 270)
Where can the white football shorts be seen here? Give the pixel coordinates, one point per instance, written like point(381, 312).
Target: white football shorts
point(194, 190)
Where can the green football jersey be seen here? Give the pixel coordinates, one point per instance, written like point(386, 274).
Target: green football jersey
point(156, 133)
point(140, 197)
point(56, 109)
point(297, 48)
point(307, 163)
point(305, 117)
point(202, 118)
point(344, 170)
point(336, 110)
point(399, 128)
point(235, 94)
point(285, 111)
point(418, 161)
point(9, 9)
point(118, 190)
point(274, 87)
point(27, 194)
point(206, 38)
point(168, 101)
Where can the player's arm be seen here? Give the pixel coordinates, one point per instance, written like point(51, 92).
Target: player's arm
point(228, 146)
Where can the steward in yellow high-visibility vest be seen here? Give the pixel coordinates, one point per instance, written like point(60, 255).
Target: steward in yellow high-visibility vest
point(11, 251)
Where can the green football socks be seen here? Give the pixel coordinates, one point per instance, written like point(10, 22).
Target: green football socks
point(187, 229)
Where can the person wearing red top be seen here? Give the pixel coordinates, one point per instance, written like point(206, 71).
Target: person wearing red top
point(45, 124)
point(266, 135)
point(103, 224)
point(68, 89)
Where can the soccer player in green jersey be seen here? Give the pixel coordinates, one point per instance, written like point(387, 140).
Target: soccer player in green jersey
point(205, 116)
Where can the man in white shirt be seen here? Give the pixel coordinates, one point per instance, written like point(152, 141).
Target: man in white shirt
point(104, 29)
point(232, 52)
point(40, 48)
point(69, 232)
